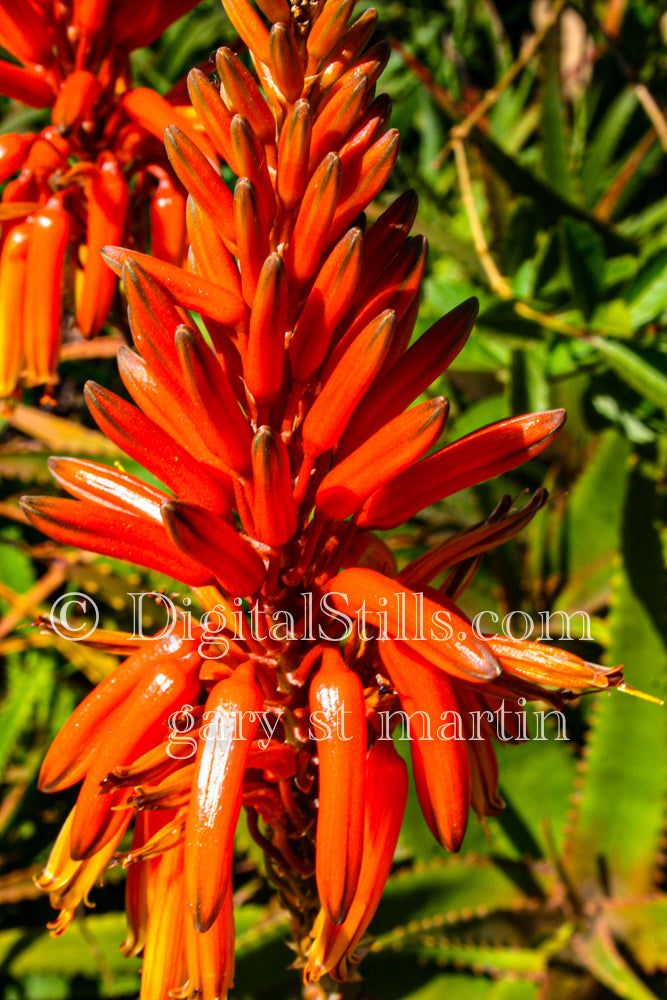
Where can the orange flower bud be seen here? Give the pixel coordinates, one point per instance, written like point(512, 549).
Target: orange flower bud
point(135, 726)
point(212, 113)
point(336, 118)
point(250, 162)
point(214, 544)
point(12, 293)
point(338, 714)
point(386, 798)
point(349, 380)
point(153, 316)
point(155, 114)
point(27, 86)
point(250, 27)
point(13, 150)
point(328, 28)
point(251, 237)
point(411, 375)
point(167, 220)
point(418, 620)
point(265, 356)
point(293, 153)
point(328, 302)
point(396, 446)
point(74, 748)
point(232, 712)
point(347, 49)
point(193, 293)
point(113, 533)
point(211, 257)
point(76, 100)
point(286, 66)
point(221, 423)
point(148, 444)
point(363, 180)
point(242, 96)
point(42, 302)
point(311, 229)
point(203, 182)
point(485, 453)
point(439, 759)
point(274, 512)
point(108, 200)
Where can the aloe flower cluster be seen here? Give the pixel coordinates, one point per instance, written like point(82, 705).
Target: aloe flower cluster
point(277, 398)
point(87, 179)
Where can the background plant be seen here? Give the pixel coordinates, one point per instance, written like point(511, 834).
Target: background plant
point(550, 208)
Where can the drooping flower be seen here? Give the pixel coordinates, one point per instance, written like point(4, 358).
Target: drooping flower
point(285, 427)
point(84, 180)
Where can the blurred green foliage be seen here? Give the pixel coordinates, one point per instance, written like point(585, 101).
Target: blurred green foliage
point(551, 207)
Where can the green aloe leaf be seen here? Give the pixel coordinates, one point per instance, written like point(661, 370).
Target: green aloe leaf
point(634, 368)
point(641, 924)
point(585, 261)
point(618, 824)
point(593, 519)
point(598, 953)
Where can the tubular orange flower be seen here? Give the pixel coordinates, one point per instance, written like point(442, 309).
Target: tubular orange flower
point(284, 421)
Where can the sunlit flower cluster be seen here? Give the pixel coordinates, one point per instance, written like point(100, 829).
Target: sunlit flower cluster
point(288, 425)
point(96, 174)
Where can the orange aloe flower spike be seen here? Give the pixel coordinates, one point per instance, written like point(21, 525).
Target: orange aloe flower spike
point(438, 630)
point(311, 232)
point(108, 200)
point(328, 302)
point(211, 257)
point(478, 456)
point(251, 237)
point(232, 713)
point(250, 27)
point(153, 448)
point(274, 511)
point(242, 96)
point(220, 421)
point(265, 356)
point(212, 113)
point(203, 182)
point(167, 220)
point(386, 798)
point(349, 380)
point(192, 292)
point(427, 359)
point(363, 180)
point(395, 447)
point(337, 118)
point(293, 152)
point(133, 728)
point(42, 302)
point(214, 544)
point(153, 316)
point(548, 665)
point(286, 65)
point(440, 764)
point(112, 532)
point(338, 714)
point(73, 749)
point(12, 295)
